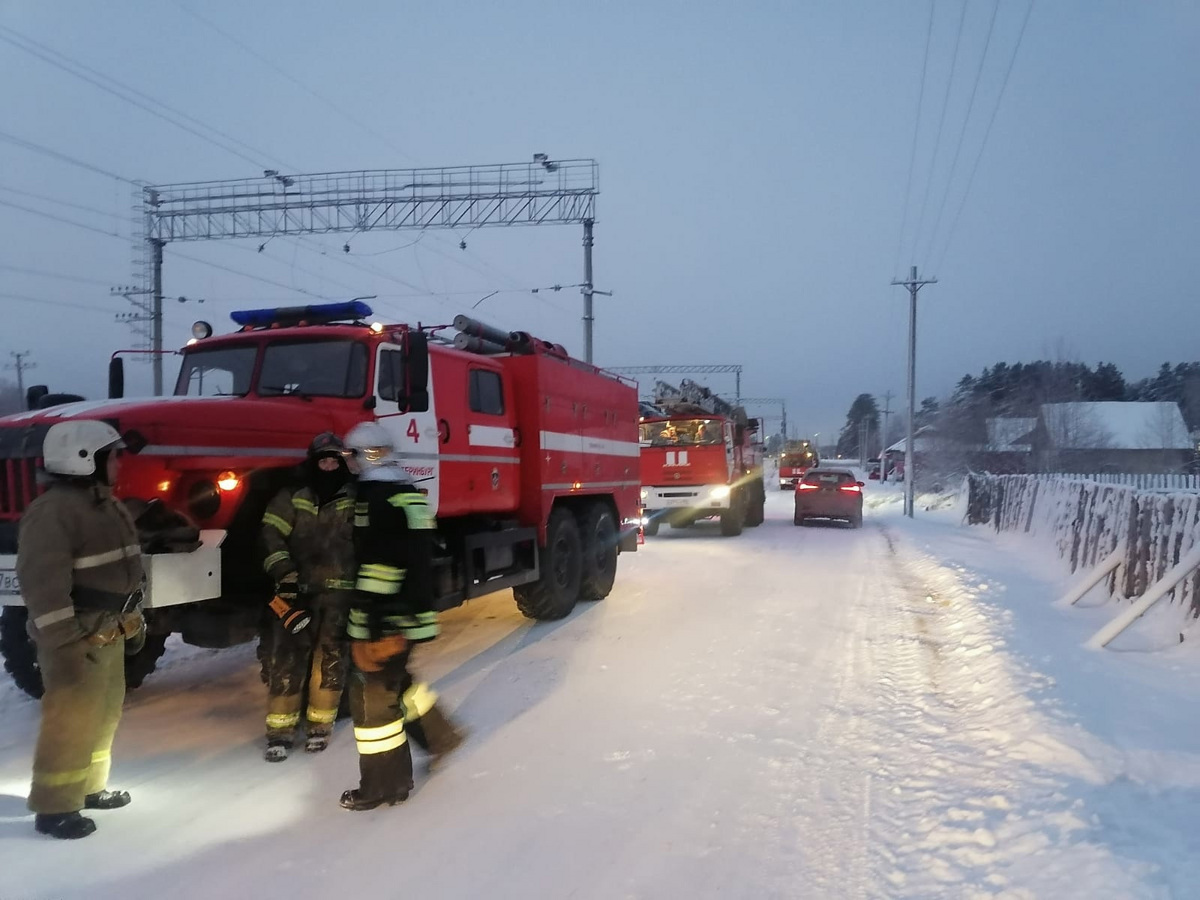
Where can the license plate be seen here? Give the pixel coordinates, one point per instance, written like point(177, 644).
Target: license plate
point(8, 583)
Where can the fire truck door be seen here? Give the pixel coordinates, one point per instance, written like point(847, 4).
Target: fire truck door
point(491, 464)
point(415, 434)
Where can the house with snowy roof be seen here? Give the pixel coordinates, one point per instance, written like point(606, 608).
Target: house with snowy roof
point(1111, 436)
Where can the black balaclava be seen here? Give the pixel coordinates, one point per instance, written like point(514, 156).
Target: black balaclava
point(327, 484)
point(100, 457)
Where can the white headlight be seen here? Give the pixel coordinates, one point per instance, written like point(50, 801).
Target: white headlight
point(645, 493)
point(720, 493)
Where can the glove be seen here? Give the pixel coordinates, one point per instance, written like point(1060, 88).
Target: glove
point(294, 618)
point(371, 656)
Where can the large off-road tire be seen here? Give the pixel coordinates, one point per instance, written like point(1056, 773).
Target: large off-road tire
point(650, 529)
point(20, 654)
point(598, 528)
point(757, 513)
point(145, 661)
point(555, 594)
point(733, 519)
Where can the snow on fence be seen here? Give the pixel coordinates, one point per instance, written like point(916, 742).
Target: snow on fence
point(1150, 532)
point(1163, 481)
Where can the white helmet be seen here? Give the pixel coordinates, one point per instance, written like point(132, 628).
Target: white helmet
point(374, 452)
point(70, 448)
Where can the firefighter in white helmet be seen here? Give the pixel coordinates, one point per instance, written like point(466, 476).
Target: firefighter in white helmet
point(80, 567)
point(392, 608)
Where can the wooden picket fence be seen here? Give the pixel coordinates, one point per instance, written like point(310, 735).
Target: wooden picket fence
point(1087, 520)
point(1164, 481)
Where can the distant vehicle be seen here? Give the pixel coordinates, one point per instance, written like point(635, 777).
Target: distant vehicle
point(796, 459)
point(829, 494)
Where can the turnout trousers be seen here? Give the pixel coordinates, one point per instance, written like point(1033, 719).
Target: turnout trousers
point(313, 660)
point(389, 706)
point(85, 687)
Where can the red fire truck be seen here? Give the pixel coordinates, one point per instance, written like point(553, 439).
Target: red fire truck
point(794, 462)
point(529, 457)
point(701, 458)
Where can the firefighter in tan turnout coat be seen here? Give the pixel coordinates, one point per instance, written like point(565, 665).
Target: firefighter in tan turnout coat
point(80, 568)
point(310, 555)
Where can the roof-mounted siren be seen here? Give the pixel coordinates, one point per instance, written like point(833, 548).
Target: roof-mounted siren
point(315, 314)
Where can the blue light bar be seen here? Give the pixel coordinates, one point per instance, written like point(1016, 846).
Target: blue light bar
point(318, 313)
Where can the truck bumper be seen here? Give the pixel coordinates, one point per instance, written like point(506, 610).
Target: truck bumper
point(171, 578)
point(690, 496)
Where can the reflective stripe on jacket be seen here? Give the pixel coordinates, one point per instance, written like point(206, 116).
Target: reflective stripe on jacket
point(313, 541)
point(75, 537)
point(394, 531)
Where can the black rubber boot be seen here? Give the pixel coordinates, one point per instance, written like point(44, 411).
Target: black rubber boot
point(353, 800)
point(106, 800)
point(277, 751)
point(65, 826)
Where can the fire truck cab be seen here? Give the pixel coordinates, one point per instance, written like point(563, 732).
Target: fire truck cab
point(795, 460)
point(701, 458)
point(529, 457)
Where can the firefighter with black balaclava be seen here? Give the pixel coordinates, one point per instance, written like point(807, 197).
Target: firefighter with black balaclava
point(392, 609)
point(80, 568)
point(306, 532)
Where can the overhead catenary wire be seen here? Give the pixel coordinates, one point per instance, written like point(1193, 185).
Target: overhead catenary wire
point(68, 203)
point(987, 43)
point(131, 95)
point(987, 133)
point(912, 159)
point(25, 298)
point(937, 140)
point(62, 219)
point(42, 273)
point(279, 70)
point(63, 157)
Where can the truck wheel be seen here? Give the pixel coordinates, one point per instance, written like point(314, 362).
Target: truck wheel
point(145, 661)
point(734, 518)
point(20, 654)
point(554, 595)
point(757, 513)
point(599, 530)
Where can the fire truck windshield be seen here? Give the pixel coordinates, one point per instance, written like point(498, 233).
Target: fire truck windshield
point(675, 432)
point(314, 369)
point(221, 371)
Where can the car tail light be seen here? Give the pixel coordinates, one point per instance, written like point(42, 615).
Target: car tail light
point(850, 488)
point(805, 486)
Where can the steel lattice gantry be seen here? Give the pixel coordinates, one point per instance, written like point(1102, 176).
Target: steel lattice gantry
point(537, 193)
point(541, 192)
point(681, 370)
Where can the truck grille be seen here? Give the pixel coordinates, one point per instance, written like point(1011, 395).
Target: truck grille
point(18, 487)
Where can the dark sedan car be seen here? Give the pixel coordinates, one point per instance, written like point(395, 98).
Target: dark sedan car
point(829, 494)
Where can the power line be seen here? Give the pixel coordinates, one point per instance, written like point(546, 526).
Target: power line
point(24, 298)
point(912, 159)
point(294, 80)
point(937, 141)
point(65, 221)
point(966, 119)
point(44, 274)
point(123, 92)
point(79, 206)
point(233, 271)
point(991, 121)
point(62, 157)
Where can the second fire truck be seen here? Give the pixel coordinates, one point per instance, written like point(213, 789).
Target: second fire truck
point(701, 459)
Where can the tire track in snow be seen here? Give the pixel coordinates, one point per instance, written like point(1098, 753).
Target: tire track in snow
point(971, 781)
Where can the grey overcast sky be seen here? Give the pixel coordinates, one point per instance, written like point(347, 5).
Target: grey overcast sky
point(754, 159)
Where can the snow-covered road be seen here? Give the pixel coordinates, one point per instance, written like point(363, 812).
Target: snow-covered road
point(796, 712)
